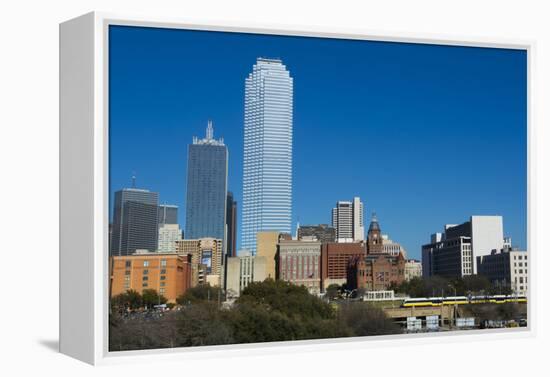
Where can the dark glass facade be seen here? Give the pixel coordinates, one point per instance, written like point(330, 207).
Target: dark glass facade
point(135, 221)
point(206, 190)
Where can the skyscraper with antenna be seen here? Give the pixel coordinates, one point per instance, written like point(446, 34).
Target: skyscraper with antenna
point(206, 197)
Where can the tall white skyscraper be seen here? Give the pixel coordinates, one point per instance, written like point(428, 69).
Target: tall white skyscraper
point(267, 167)
point(347, 219)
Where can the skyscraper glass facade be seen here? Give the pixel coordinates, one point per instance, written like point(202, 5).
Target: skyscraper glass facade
point(135, 221)
point(206, 187)
point(267, 167)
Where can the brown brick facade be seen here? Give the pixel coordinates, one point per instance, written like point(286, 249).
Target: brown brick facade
point(168, 274)
point(377, 272)
point(335, 259)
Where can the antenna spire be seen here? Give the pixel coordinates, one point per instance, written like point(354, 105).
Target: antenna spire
point(134, 180)
point(209, 131)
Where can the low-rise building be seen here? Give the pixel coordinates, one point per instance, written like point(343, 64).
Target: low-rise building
point(243, 270)
point(507, 268)
point(300, 263)
point(376, 272)
point(167, 273)
point(206, 259)
point(335, 259)
point(413, 269)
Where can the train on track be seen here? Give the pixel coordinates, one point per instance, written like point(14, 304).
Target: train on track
point(461, 300)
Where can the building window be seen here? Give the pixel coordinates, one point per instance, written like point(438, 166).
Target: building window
point(162, 291)
point(146, 263)
point(163, 262)
point(128, 264)
point(162, 283)
point(163, 277)
point(144, 285)
point(145, 272)
point(127, 272)
point(162, 271)
point(145, 278)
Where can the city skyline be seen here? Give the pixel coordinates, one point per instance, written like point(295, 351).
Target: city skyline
point(474, 177)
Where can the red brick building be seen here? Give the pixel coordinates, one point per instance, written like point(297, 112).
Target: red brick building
point(376, 272)
point(335, 260)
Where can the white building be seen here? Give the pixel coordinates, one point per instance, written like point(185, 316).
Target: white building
point(267, 165)
point(168, 235)
point(413, 268)
point(392, 248)
point(243, 270)
point(507, 267)
point(348, 220)
point(453, 253)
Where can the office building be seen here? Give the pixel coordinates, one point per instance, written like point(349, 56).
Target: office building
point(168, 214)
point(206, 187)
point(243, 270)
point(506, 268)
point(347, 219)
point(231, 225)
point(392, 248)
point(335, 259)
point(300, 263)
point(206, 260)
point(454, 252)
point(169, 234)
point(322, 232)
point(267, 166)
point(167, 273)
point(376, 272)
point(135, 221)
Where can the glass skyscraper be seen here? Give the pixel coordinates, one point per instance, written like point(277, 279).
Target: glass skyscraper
point(267, 167)
point(135, 221)
point(206, 187)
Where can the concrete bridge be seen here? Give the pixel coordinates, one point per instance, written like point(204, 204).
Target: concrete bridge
point(444, 312)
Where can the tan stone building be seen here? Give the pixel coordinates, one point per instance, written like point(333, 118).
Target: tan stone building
point(206, 260)
point(167, 273)
point(243, 270)
point(266, 246)
point(413, 268)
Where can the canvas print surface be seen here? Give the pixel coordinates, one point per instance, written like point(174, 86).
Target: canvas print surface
point(271, 188)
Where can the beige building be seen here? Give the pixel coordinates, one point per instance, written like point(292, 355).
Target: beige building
point(392, 248)
point(266, 246)
point(206, 259)
point(243, 270)
point(168, 235)
point(300, 263)
point(413, 268)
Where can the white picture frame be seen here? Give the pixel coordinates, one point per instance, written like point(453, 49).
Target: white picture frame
point(84, 179)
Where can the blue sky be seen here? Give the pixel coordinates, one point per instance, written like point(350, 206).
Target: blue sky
point(424, 134)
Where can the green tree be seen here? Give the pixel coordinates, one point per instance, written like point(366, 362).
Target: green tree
point(365, 319)
point(152, 298)
point(333, 291)
point(130, 299)
point(200, 293)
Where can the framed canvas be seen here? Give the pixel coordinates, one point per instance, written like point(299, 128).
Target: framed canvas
point(236, 189)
